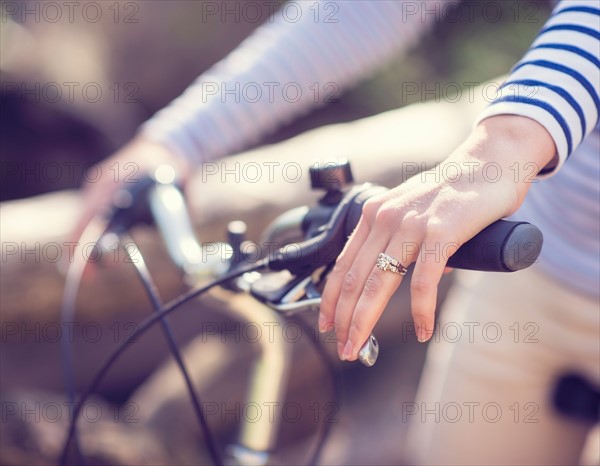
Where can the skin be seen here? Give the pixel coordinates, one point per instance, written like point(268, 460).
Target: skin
point(145, 155)
point(427, 212)
point(413, 222)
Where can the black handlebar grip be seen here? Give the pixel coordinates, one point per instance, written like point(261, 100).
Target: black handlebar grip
point(503, 246)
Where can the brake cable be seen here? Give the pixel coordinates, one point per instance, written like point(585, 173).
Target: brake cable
point(144, 326)
point(130, 247)
point(93, 230)
point(160, 315)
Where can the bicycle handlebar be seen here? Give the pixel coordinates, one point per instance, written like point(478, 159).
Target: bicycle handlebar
point(172, 219)
point(504, 246)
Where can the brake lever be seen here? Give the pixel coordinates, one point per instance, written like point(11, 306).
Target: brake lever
point(303, 296)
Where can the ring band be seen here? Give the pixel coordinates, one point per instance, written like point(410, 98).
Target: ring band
point(385, 263)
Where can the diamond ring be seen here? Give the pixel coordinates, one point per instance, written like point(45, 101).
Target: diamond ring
point(385, 262)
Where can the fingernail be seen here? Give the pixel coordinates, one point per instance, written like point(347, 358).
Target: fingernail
point(421, 333)
point(322, 324)
point(340, 348)
point(348, 349)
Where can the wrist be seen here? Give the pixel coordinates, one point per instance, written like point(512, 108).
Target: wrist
point(517, 138)
point(149, 155)
point(508, 151)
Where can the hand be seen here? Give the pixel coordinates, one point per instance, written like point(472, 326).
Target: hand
point(135, 160)
point(425, 220)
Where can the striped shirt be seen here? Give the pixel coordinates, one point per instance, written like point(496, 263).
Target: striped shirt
point(557, 83)
point(285, 67)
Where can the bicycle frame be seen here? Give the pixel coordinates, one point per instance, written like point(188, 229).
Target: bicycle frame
point(269, 373)
point(322, 232)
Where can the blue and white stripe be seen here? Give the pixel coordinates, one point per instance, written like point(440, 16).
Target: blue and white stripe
point(557, 83)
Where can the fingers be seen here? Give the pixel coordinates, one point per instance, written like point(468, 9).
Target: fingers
point(354, 300)
point(332, 291)
point(356, 281)
point(429, 268)
point(379, 287)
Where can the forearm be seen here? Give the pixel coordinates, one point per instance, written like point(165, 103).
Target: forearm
point(294, 66)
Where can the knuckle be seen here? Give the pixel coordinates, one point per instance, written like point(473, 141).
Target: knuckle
point(420, 316)
point(341, 265)
point(373, 286)
point(350, 281)
point(356, 330)
point(412, 222)
point(436, 229)
point(388, 215)
point(370, 209)
point(420, 284)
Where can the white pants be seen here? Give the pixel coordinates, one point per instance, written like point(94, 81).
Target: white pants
point(485, 394)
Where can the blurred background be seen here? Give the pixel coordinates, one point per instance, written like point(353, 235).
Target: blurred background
point(141, 55)
point(144, 54)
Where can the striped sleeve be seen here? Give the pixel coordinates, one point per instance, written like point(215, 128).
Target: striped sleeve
point(288, 66)
point(557, 82)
